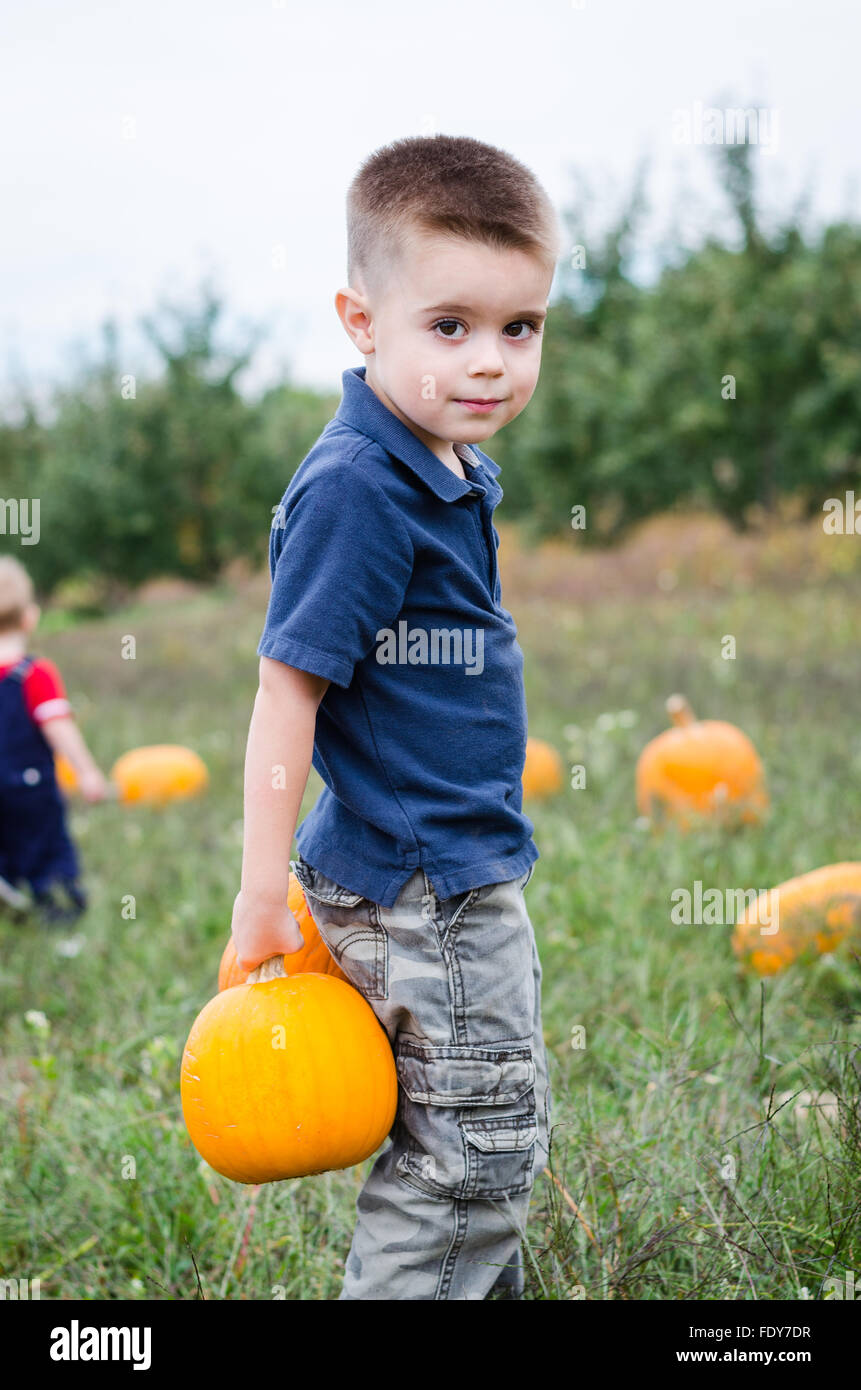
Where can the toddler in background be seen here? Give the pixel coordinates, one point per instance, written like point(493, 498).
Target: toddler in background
point(36, 722)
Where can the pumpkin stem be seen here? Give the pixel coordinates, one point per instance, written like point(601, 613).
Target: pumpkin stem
point(271, 969)
point(679, 710)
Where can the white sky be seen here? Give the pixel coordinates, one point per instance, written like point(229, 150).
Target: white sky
point(251, 117)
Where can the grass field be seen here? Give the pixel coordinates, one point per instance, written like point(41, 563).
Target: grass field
point(679, 1170)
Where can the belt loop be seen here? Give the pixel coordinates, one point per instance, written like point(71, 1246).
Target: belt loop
point(428, 899)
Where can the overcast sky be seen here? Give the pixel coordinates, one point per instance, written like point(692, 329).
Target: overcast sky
point(145, 146)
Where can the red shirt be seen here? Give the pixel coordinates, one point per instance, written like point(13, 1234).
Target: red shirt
point(44, 692)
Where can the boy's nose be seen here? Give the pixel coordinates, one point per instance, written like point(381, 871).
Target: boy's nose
point(486, 375)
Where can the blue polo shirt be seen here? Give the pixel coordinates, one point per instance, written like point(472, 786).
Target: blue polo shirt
point(385, 581)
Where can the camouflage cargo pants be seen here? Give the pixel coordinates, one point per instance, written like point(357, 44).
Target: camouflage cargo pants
point(457, 987)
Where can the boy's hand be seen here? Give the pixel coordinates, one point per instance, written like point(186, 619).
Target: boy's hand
point(262, 928)
point(94, 786)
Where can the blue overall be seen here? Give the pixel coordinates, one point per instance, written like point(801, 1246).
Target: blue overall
point(34, 842)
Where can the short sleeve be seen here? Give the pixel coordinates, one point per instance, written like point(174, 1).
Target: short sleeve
point(44, 692)
point(340, 558)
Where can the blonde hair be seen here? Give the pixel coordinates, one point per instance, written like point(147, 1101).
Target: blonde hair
point(16, 592)
point(444, 184)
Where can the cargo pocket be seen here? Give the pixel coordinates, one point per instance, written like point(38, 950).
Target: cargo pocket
point(468, 1119)
point(350, 927)
point(500, 1155)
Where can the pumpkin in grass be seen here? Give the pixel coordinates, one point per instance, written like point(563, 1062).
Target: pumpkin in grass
point(67, 777)
point(542, 769)
point(814, 913)
point(285, 1076)
point(314, 955)
point(700, 768)
point(159, 773)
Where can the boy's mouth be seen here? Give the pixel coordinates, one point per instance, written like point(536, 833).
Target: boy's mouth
point(482, 405)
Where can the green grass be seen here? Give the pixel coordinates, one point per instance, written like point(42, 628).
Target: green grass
point(676, 1170)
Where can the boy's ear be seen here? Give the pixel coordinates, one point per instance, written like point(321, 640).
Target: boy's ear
point(354, 312)
point(32, 614)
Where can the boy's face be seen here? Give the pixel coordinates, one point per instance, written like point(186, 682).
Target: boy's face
point(456, 321)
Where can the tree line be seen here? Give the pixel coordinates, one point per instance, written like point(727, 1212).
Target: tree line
point(731, 382)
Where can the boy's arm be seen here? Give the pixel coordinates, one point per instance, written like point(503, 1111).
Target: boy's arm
point(45, 696)
point(64, 736)
point(326, 615)
point(277, 763)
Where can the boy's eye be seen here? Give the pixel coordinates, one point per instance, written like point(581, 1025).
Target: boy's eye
point(443, 324)
point(523, 323)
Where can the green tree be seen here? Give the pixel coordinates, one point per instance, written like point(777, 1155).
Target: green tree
point(731, 382)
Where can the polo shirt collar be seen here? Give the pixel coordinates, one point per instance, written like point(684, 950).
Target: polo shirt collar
point(362, 409)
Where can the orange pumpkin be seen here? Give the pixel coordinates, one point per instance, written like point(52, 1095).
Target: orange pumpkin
point(67, 777)
point(158, 773)
point(314, 955)
point(699, 768)
point(542, 769)
point(815, 912)
point(287, 1075)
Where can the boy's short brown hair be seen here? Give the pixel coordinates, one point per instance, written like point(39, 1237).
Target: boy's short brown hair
point(444, 184)
point(16, 592)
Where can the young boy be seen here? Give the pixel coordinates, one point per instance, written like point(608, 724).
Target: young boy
point(36, 722)
point(388, 660)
